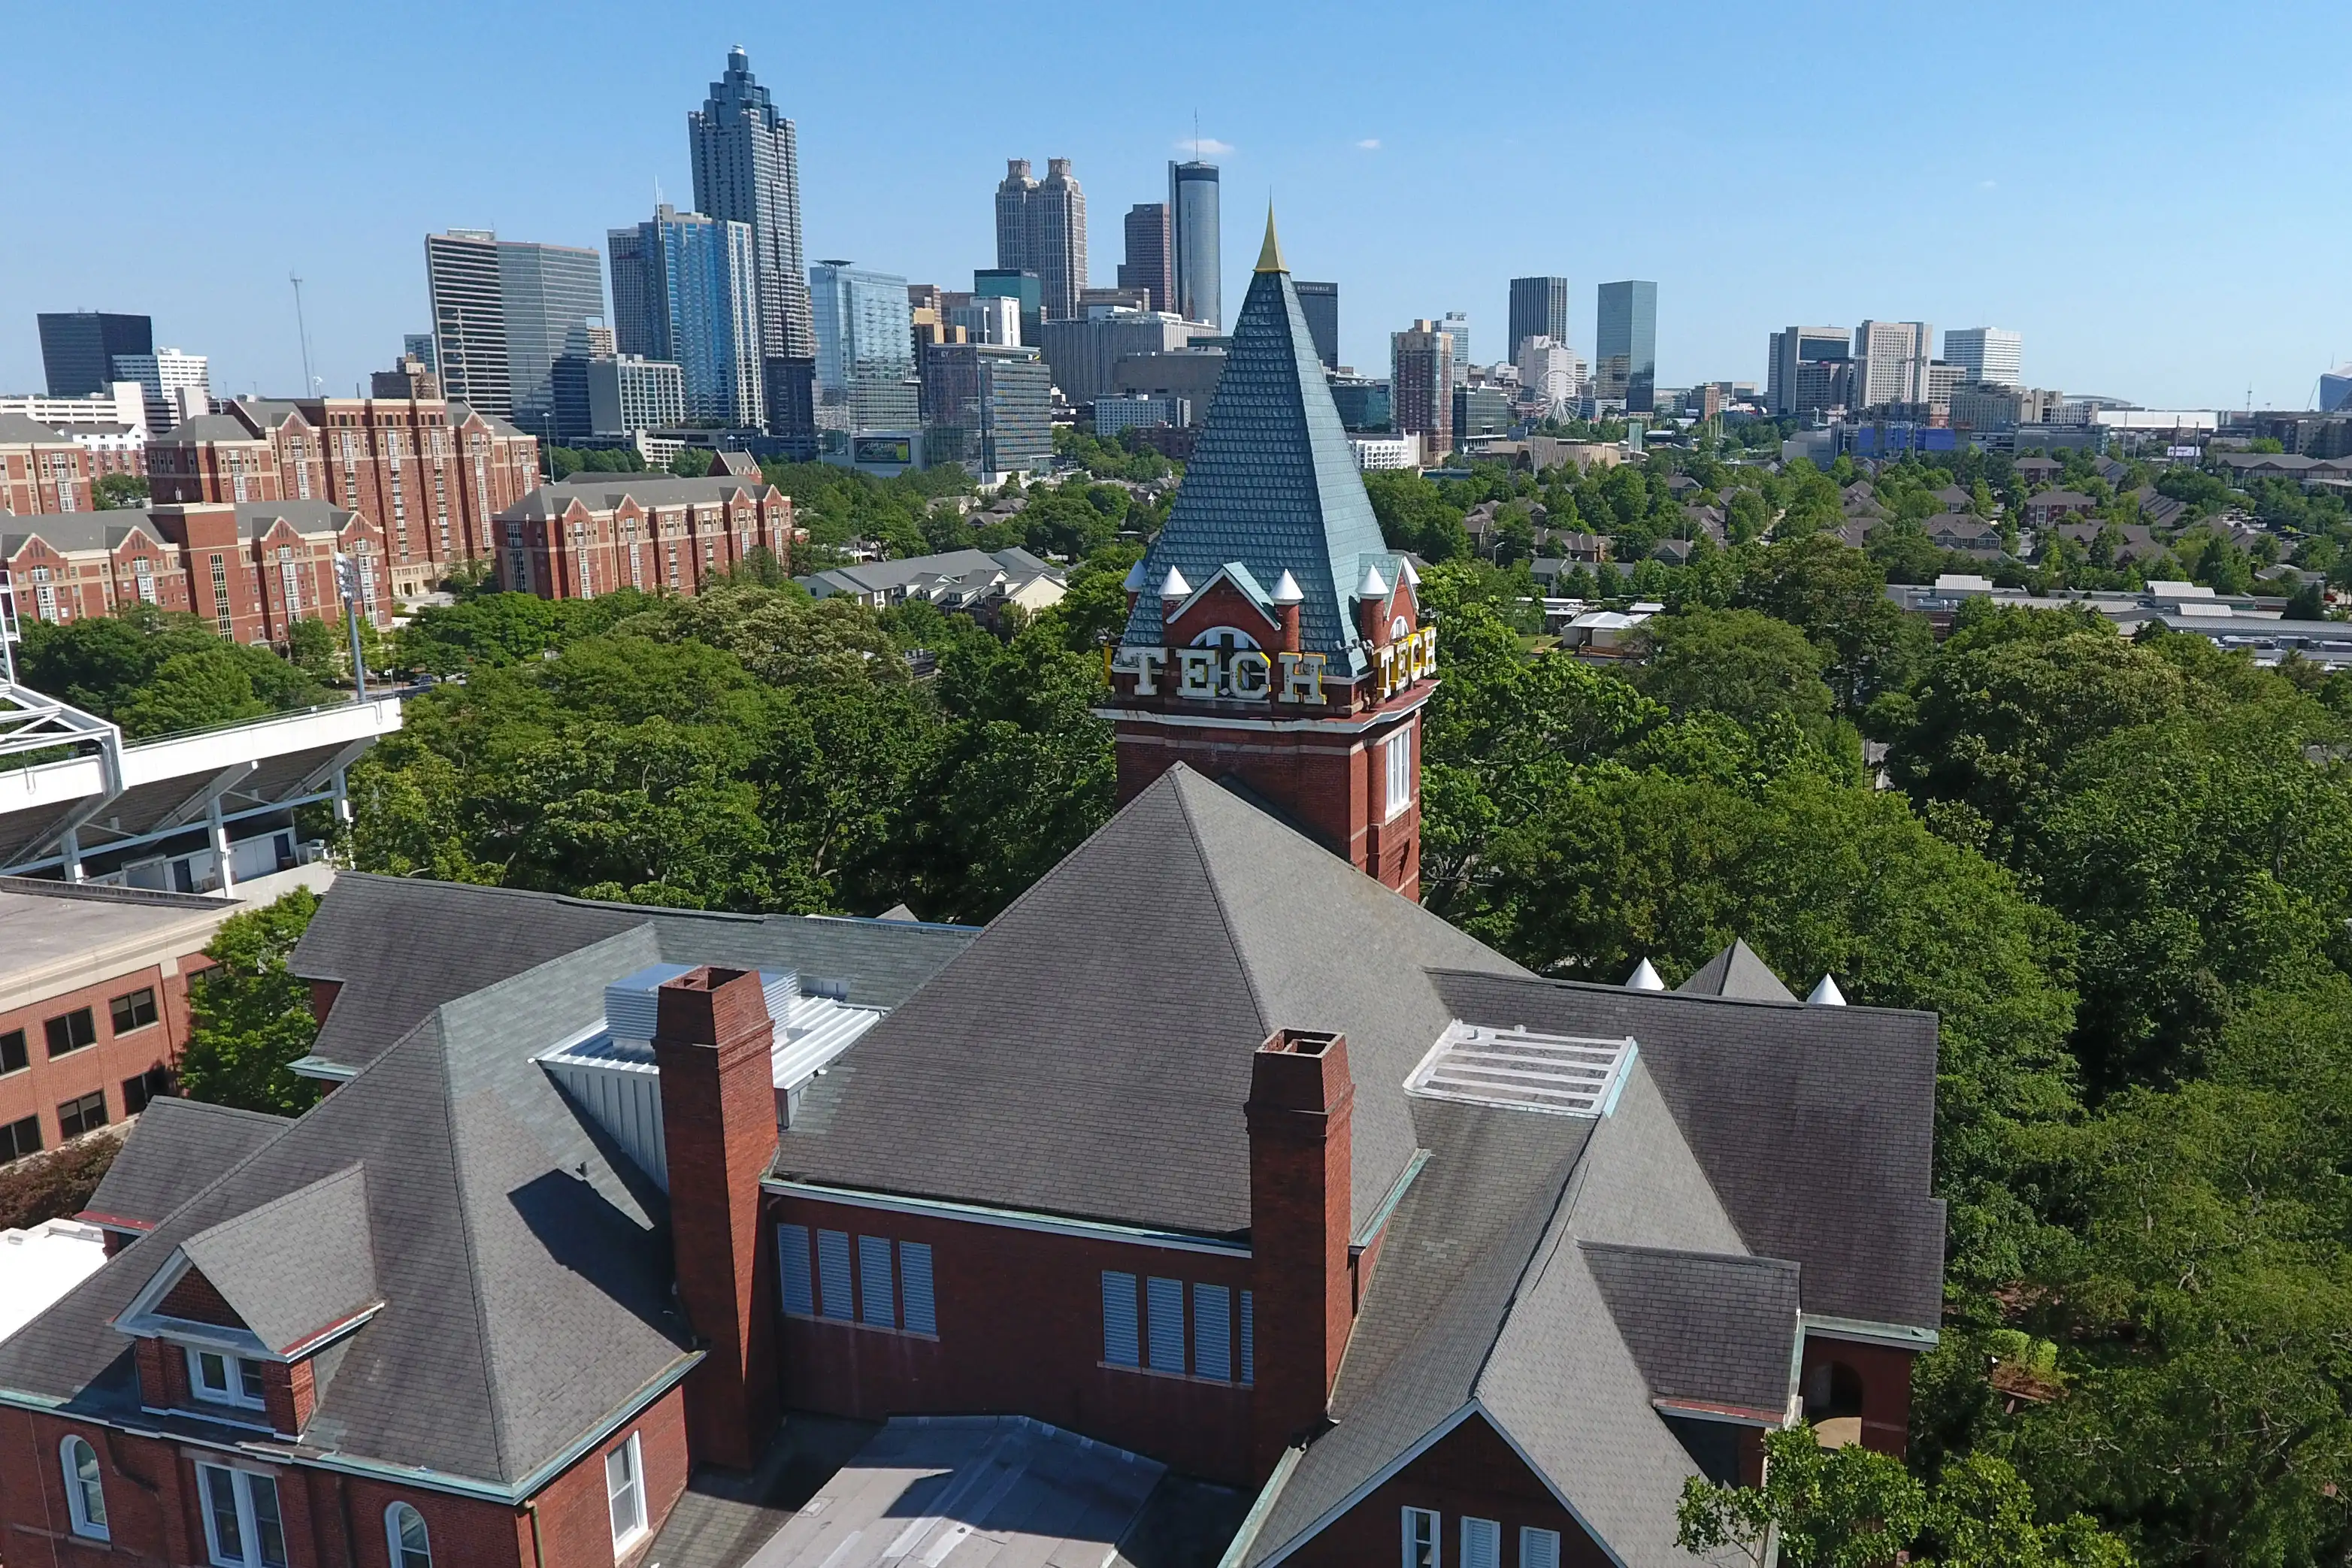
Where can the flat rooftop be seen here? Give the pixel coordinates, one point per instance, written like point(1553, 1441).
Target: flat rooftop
point(51, 930)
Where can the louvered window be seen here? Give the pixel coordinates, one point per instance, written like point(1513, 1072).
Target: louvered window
point(793, 1260)
point(1249, 1337)
point(1121, 1340)
point(1481, 1543)
point(1539, 1548)
point(1213, 1332)
point(833, 1273)
point(915, 1288)
point(877, 1300)
point(1164, 1307)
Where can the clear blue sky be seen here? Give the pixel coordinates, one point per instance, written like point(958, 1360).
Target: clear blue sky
point(2154, 196)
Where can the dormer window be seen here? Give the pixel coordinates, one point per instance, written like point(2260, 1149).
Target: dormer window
point(218, 1378)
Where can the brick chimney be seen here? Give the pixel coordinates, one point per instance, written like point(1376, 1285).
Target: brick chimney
point(1300, 1213)
point(719, 1127)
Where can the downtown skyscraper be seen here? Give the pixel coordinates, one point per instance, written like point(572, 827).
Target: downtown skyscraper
point(502, 310)
point(1625, 346)
point(747, 170)
point(686, 291)
point(1539, 310)
point(1041, 227)
point(1193, 242)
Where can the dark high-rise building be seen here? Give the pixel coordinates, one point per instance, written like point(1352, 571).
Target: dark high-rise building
point(747, 169)
point(1539, 310)
point(791, 403)
point(78, 347)
point(1193, 242)
point(1625, 346)
point(1041, 227)
point(1420, 383)
point(1149, 265)
point(988, 407)
point(1320, 301)
point(1810, 369)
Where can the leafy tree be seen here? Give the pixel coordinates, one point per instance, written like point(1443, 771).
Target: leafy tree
point(1415, 516)
point(157, 672)
point(1738, 663)
point(253, 1017)
point(114, 492)
point(1837, 597)
point(315, 649)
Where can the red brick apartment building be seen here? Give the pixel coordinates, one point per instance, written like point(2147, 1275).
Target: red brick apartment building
point(252, 568)
point(591, 534)
point(41, 469)
point(1216, 1150)
point(430, 472)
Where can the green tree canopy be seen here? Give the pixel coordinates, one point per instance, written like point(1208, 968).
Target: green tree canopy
point(253, 1017)
point(1739, 663)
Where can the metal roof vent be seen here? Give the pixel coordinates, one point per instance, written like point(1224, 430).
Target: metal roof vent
point(1827, 994)
point(1560, 1075)
point(1644, 978)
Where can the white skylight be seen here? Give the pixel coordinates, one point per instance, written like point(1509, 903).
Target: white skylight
point(1560, 1075)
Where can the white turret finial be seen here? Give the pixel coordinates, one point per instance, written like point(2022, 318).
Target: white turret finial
point(1644, 978)
point(1374, 586)
point(1174, 587)
point(1136, 580)
point(1285, 591)
point(1827, 994)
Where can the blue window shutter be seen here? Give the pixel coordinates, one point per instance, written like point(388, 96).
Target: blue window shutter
point(833, 1273)
point(877, 1302)
point(1213, 1332)
point(1249, 1337)
point(1539, 1548)
point(1120, 1347)
point(1164, 1316)
point(1481, 1543)
point(915, 1287)
point(793, 1255)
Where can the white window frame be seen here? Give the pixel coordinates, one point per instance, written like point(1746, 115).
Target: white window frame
point(234, 1368)
point(632, 1457)
point(398, 1556)
point(88, 1523)
point(1413, 1541)
point(248, 1519)
point(1396, 774)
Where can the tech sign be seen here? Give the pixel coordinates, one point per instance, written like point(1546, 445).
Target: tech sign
point(1222, 669)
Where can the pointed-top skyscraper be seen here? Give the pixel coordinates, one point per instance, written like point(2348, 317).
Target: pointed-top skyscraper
point(747, 169)
point(1274, 641)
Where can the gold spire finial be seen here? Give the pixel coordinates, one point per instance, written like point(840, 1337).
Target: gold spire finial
point(1270, 258)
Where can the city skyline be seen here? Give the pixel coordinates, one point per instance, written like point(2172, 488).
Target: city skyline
point(2151, 303)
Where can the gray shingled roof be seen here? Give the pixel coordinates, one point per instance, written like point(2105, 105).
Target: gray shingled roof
point(526, 1276)
point(296, 1265)
point(72, 531)
point(1738, 971)
point(1273, 484)
point(400, 947)
point(1816, 1124)
point(601, 492)
point(1707, 1328)
point(15, 429)
point(882, 576)
point(207, 427)
point(179, 1148)
point(1089, 1054)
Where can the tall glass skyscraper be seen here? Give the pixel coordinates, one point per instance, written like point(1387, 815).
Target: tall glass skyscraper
point(1193, 242)
point(1625, 346)
point(502, 310)
point(685, 289)
point(747, 170)
point(865, 349)
point(1539, 310)
point(1319, 302)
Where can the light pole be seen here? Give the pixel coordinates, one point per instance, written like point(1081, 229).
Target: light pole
point(346, 574)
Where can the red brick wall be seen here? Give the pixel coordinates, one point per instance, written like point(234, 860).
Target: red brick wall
point(1886, 1373)
point(194, 1300)
point(1471, 1471)
point(45, 1084)
point(576, 1524)
point(1020, 1333)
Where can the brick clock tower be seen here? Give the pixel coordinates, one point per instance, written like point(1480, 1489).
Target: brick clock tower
point(1274, 642)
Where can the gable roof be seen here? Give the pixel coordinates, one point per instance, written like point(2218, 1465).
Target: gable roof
point(1711, 1329)
point(400, 947)
point(296, 1267)
point(1089, 1054)
point(19, 429)
point(1272, 483)
point(602, 492)
point(178, 1148)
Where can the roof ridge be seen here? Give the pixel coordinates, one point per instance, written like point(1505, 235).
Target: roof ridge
point(1565, 983)
point(214, 1108)
point(1216, 893)
point(1756, 1258)
point(466, 1233)
point(357, 1167)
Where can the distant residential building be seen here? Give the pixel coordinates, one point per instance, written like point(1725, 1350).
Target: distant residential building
point(989, 319)
point(747, 170)
point(1539, 310)
point(1420, 383)
point(176, 385)
point(791, 385)
point(121, 404)
point(1319, 303)
point(864, 356)
point(595, 532)
point(78, 348)
point(1456, 325)
point(1550, 377)
point(1194, 241)
point(1041, 227)
point(1376, 453)
point(977, 583)
point(1988, 355)
point(1148, 264)
point(1809, 369)
point(1084, 354)
point(1139, 411)
point(621, 394)
point(1363, 403)
point(1023, 288)
point(692, 299)
point(988, 408)
point(1890, 360)
point(41, 469)
point(1625, 346)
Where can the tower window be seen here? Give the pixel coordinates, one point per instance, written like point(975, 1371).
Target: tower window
point(1396, 753)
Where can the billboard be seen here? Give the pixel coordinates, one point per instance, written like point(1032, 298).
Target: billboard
point(882, 451)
